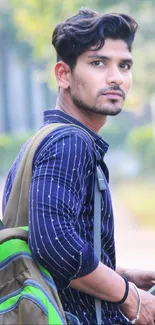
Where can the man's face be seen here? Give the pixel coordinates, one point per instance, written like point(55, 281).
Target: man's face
point(101, 79)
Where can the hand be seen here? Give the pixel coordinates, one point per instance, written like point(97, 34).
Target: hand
point(130, 307)
point(142, 279)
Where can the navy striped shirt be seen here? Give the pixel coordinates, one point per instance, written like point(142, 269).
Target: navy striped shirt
point(61, 204)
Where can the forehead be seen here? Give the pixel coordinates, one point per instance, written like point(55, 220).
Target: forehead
point(117, 49)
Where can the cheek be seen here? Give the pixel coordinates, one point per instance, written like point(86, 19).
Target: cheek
point(85, 87)
point(86, 78)
point(85, 84)
point(88, 92)
point(128, 83)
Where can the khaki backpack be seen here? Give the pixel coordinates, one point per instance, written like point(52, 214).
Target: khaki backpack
point(28, 294)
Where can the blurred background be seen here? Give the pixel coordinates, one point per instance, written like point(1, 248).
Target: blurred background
point(28, 87)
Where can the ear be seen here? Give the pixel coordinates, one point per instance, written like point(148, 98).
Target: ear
point(62, 71)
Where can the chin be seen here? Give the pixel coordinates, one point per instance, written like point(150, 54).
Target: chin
point(109, 111)
point(114, 113)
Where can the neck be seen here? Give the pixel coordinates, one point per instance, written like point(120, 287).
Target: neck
point(91, 120)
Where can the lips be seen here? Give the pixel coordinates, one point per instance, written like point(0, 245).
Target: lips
point(113, 94)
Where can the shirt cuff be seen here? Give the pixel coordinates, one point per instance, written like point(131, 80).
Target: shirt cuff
point(88, 262)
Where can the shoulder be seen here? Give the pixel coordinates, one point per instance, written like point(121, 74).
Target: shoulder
point(66, 136)
point(69, 131)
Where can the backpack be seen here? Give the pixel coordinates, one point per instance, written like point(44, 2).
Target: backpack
point(28, 294)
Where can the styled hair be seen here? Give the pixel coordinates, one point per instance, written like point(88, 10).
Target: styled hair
point(89, 29)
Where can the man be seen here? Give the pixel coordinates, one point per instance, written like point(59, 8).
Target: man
point(93, 73)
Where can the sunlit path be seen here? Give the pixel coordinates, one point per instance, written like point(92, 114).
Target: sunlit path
point(135, 245)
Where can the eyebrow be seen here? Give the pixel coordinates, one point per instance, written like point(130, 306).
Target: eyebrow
point(103, 57)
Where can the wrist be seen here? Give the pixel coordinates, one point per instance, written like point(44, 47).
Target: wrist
point(126, 292)
point(133, 299)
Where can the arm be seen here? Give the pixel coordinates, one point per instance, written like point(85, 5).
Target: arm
point(56, 197)
point(103, 283)
point(106, 284)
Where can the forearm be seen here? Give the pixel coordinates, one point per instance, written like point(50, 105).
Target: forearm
point(103, 283)
point(107, 284)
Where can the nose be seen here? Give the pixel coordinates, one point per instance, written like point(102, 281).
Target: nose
point(114, 76)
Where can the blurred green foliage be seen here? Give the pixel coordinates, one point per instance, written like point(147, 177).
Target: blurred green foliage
point(116, 130)
point(22, 46)
point(10, 146)
point(142, 142)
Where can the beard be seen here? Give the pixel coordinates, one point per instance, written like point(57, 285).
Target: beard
point(105, 110)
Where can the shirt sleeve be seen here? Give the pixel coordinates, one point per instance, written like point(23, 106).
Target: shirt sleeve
point(58, 188)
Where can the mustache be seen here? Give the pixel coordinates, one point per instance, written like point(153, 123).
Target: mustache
point(108, 89)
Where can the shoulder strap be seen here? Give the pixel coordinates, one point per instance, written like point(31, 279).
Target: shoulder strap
point(13, 233)
point(1, 225)
point(99, 186)
point(16, 212)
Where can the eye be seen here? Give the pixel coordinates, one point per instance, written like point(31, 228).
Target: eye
point(97, 63)
point(125, 66)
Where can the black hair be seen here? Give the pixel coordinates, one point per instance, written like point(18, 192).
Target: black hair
point(89, 29)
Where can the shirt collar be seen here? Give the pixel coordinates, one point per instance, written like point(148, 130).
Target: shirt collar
point(57, 116)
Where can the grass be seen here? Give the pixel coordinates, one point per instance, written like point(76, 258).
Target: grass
point(139, 197)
